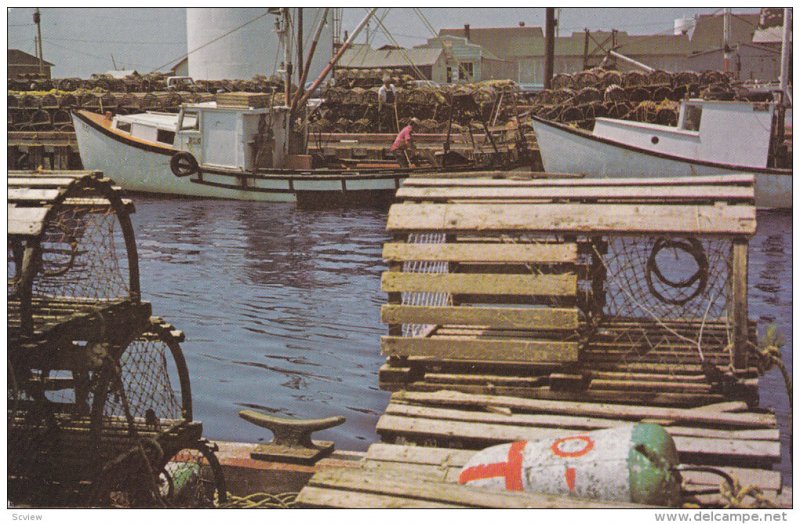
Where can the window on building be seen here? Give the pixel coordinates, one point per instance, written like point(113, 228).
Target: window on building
point(467, 71)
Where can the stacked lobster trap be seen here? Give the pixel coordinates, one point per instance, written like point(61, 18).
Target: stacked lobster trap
point(618, 290)
point(99, 400)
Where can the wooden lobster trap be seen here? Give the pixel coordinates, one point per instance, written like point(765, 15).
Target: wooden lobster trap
point(99, 401)
point(629, 290)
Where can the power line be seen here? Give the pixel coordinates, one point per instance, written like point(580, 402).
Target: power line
point(114, 41)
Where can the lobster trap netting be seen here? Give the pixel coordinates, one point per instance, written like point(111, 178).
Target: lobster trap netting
point(662, 299)
point(424, 298)
point(83, 256)
point(95, 421)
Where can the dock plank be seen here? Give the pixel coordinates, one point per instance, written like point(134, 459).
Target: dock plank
point(599, 409)
point(657, 194)
point(480, 284)
point(571, 217)
point(463, 348)
point(420, 488)
point(539, 253)
point(490, 317)
point(487, 181)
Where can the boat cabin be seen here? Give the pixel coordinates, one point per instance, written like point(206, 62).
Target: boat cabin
point(238, 138)
point(710, 130)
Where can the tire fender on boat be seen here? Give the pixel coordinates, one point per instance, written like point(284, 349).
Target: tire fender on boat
point(183, 164)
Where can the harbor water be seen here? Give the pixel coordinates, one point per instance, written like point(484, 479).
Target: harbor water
point(281, 309)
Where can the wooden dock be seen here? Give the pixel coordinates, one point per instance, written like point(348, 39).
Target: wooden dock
point(537, 309)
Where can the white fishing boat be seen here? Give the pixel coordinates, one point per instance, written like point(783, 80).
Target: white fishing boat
point(712, 138)
point(214, 151)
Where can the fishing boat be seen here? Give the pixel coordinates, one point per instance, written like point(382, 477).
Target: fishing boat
point(712, 137)
point(216, 151)
point(241, 146)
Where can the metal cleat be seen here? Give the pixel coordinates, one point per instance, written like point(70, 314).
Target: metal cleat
point(292, 438)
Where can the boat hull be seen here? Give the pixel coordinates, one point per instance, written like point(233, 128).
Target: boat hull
point(141, 169)
point(568, 151)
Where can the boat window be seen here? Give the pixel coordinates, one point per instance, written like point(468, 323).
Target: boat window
point(691, 121)
point(124, 126)
point(167, 137)
point(190, 121)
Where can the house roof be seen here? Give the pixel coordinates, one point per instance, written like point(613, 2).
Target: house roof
point(18, 57)
point(460, 42)
point(363, 56)
point(708, 31)
point(769, 35)
point(503, 42)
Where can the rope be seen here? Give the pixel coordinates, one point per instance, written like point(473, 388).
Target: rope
point(735, 495)
point(768, 355)
point(260, 500)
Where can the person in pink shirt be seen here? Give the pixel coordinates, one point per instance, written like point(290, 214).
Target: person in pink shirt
point(404, 143)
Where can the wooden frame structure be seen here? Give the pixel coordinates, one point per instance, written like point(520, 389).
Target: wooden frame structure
point(522, 347)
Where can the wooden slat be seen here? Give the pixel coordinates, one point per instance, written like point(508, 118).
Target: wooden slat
point(32, 194)
point(480, 284)
point(490, 433)
point(391, 484)
point(493, 317)
point(314, 497)
point(476, 252)
point(41, 182)
point(697, 193)
point(569, 423)
point(477, 181)
point(26, 221)
point(464, 348)
point(574, 218)
point(621, 411)
point(447, 457)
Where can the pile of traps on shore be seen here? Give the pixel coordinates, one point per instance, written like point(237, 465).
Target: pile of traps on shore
point(652, 97)
point(356, 109)
point(99, 401)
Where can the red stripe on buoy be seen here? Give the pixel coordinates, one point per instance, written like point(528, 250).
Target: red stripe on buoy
point(514, 472)
point(510, 470)
point(569, 476)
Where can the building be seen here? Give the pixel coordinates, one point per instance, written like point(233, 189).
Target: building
point(468, 62)
point(181, 68)
point(523, 46)
point(695, 45)
point(21, 63)
point(421, 63)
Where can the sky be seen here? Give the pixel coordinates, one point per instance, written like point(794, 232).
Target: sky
point(82, 41)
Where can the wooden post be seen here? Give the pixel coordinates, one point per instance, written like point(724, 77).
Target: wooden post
point(549, 42)
point(36, 157)
point(738, 298)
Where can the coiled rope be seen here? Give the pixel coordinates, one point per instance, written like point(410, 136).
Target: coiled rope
point(260, 500)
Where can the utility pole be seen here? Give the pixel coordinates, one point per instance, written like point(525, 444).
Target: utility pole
point(726, 36)
point(549, 44)
point(37, 19)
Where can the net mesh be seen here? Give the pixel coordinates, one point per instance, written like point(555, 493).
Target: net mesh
point(83, 256)
point(424, 298)
point(664, 300)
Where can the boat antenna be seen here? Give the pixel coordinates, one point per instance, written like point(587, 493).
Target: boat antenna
point(336, 57)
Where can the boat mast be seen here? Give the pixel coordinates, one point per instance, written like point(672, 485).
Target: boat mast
point(287, 53)
point(336, 57)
